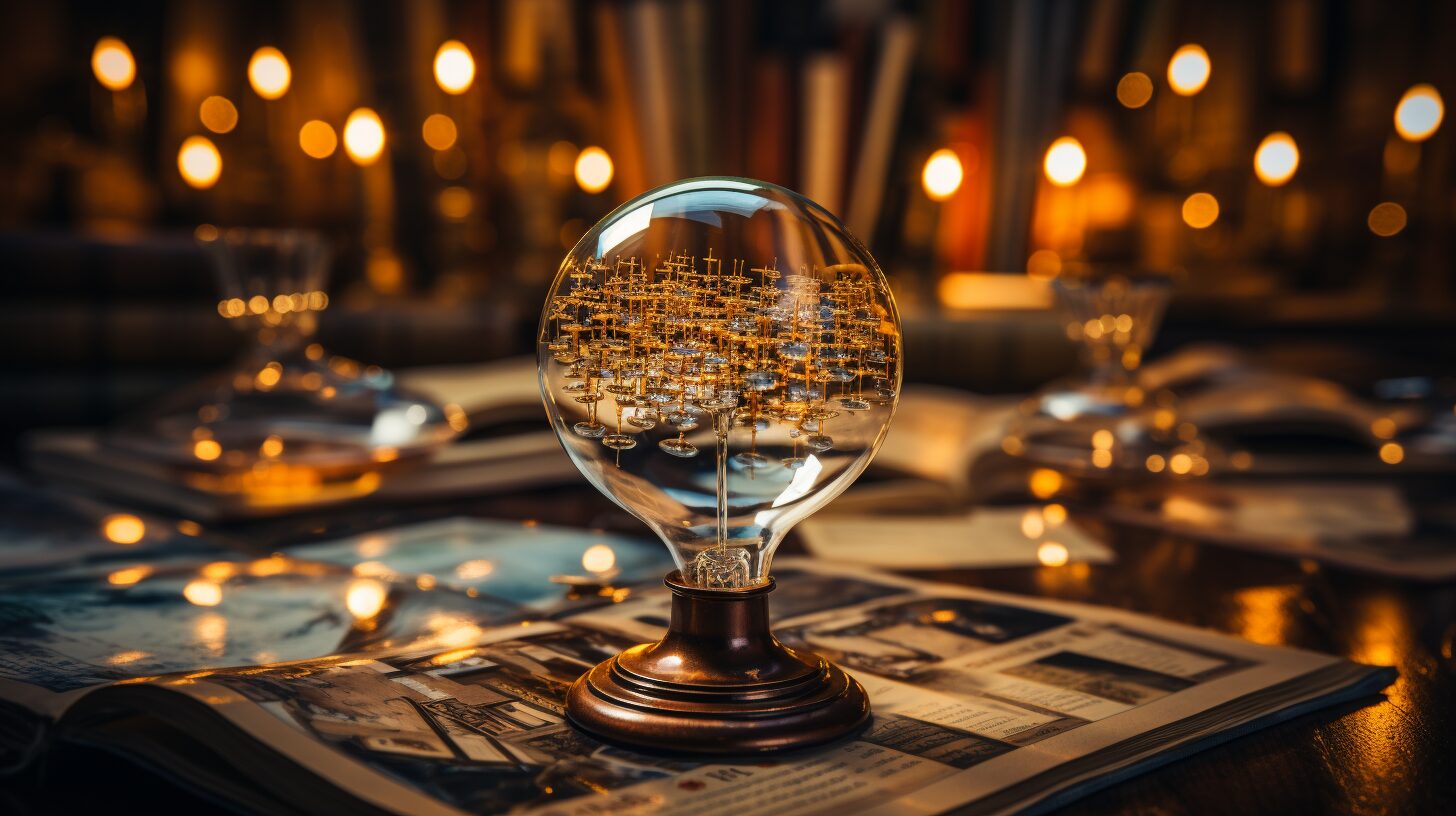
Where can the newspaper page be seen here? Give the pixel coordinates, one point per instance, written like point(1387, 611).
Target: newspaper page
point(981, 701)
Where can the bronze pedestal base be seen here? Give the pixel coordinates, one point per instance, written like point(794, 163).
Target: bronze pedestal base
point(717, 683)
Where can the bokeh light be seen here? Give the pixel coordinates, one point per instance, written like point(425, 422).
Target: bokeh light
point(1276, 159)
point(123, 528)
point(1419, 113)
point(1189, 69)
point(1134, 90)
point(1052, 554)
point(439, 131)
point(598, 558)
point(364, 136)
point(113, 64)
point(1043, 265)
point(1386, 219)
point(128, 575)
point(561, 158)
point(455, 203)
point(1044, 483)
point(365, 598)
point(1066, 161)
point(1055, 514)
point(318, 139)
point(218, 114)
point(1200, 210)
point(199, 162)
point(268, 73)
point(454, 67)
point(942, 175)
point(202, 592)
point(593, 169)
point(1033, 525)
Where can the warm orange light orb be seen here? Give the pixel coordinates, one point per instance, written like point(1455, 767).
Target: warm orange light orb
point(455, 203)
point(942, 175)
point(1276, 159)
point(199, 162)
point(1052, 554)
point(1419, 113)
point(202, 592)
point(1386, 219)
point(365, 598)
point(1189, 69)
point(113, 64)
point(1066, 161)
point(318, 139)
point(364, 136)
point(1134, 90)
point(439, 131)
point(593, 169)
point(218, 114)
point(598, 558)
point(268, 73)
point(1200, 210)
point(123, 528)
point(454, 67)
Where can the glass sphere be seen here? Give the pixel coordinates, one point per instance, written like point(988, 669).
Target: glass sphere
point(721, 358)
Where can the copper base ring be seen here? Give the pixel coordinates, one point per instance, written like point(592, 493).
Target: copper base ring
point(718, 683)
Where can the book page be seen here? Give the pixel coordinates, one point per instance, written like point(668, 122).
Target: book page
point(973, 692)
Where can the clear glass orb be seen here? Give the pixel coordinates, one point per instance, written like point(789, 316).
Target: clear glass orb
point(721, 358)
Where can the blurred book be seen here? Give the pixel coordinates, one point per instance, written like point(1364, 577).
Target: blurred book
point(881, 123)
point(1364, 527)
point(824, 132)
point(508, 446)
point(985, 537)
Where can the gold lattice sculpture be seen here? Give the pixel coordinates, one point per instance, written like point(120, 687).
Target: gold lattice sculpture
point(668, 343)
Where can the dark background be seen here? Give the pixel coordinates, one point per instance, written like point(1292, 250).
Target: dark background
point(108, 303)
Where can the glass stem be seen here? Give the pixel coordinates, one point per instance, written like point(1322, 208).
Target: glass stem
point(721, 422)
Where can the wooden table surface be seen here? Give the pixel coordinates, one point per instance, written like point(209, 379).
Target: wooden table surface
point(1385, 754)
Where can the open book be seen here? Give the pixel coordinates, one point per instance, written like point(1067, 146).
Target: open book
point(426, 694)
